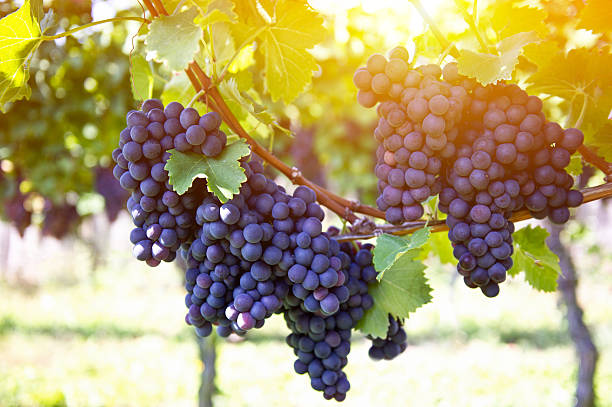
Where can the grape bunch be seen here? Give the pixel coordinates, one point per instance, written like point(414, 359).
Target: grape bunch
point(508, 157)
point(262, 252)
point(253, 250)
point(392, 345)
point(418, 116)
point(487, 151)
point(322, 343)
point(163, 219)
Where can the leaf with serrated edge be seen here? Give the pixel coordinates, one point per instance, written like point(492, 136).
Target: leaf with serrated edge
point(389, 248)
point(597, 16)
point(20, 36)
point(289, 66)
point(174, 40)
point(223, 173)
point(142, 78)
point(403, 289)
point(533, 257)
point(488, 68)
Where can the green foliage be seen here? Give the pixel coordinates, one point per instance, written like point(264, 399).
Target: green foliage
point(20, 36)
point(71, 123)
point(490, 68)
point(402, 286)
point(389, 248)
point(174, 40)
point(439, 246)
point(223, 173)
point(533, 257)
point(597, 16)
point(402, 291)
point(142, 78)
point(289, 66)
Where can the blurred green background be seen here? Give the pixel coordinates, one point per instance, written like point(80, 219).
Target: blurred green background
point(84, 324)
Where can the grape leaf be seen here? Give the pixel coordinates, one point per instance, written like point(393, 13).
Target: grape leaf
point(223, 173)
point(403, 289)
point(285, 29)
point(580, 76)
point(489, 68)
point(603, 141)
point(439, 246)
point(289, 66)
point(533, 257)
point(142, 78)
point(20, 36)
point(174, 40)
point(389, 248)
point(508, 20)
point(596, 16)
point(214, 11)
point(229, 89)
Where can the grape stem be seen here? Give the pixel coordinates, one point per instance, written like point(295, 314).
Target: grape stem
point(590, 194)
point(92, 24)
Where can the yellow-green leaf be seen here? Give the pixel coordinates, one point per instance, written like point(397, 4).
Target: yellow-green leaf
point(289, 66)
point(174, 40)
point(142, 78)
point(489, 68)
point(533, 257)
point(20, 36)
point(596, 16)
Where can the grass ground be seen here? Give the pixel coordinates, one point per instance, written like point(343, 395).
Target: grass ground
point(117, 337)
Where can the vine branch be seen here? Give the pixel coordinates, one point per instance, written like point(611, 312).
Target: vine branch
point(590, 194)
point(346, 208)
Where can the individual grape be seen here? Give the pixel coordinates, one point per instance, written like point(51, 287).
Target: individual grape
point(362, 79)
point(195, 135)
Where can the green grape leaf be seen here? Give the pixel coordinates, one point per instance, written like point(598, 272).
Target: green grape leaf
point(179, 89)
point(20, 36)
point(540, 53)
point(223, 173)
point(214, 12)
point(389, 248)
point(508, 20)
point(174, 40)
point(596, 16)
point(533, 257)
point(489, 68)
point(439, 246)
point(229, 89)
point(603, 141)
point(142, 78)
point(403, 289)
point(288, 66)
point(580, 76)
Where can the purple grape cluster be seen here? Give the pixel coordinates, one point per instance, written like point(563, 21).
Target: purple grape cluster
point(163, 219)
point(488, 151)
point(322, 343)
point(251, 251)
point(392, 345)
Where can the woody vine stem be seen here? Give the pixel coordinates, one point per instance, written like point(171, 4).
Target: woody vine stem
point(362, 227)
